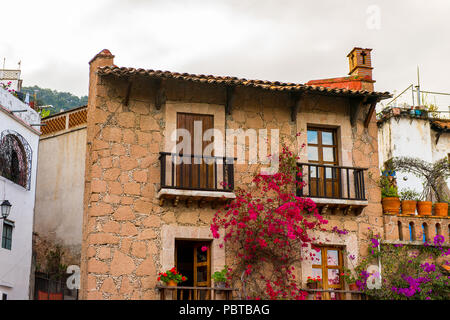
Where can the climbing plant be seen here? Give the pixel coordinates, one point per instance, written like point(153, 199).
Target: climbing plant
point(433, 175)
point(266, 228)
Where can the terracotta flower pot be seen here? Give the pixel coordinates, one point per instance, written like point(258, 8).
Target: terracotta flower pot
point(391, 205)
point(409, 207)
point(312, 285)
point(424, 208)
point(220, 285)
point(171, 283)
point(353, 287)
point(441, 209)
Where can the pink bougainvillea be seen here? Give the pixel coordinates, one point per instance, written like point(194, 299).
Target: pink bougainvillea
point(267, 227)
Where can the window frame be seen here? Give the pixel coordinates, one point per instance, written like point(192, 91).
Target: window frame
point(7, 224)
point(325, 267)
point(319, 145)
point(26, 155)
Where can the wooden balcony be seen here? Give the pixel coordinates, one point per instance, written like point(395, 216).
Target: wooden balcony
point(195, 293)
point(196, 178)
point(334, 188)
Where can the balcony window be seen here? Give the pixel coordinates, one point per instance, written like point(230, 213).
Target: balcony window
point(211, 174)
point(329, 184)
point(191, 172)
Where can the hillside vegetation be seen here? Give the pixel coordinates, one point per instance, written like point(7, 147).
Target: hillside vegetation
point(61, 101)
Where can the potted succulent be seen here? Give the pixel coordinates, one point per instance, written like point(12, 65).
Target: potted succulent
point(313, 283)
point(220, 278)
point(389, 194)
point(171, 277)
point(409, 199)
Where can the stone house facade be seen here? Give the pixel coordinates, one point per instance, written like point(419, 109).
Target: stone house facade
point(142, 215)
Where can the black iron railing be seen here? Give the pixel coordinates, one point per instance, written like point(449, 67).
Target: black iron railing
point(196, 172)
point(332, 182)
point(46, 288)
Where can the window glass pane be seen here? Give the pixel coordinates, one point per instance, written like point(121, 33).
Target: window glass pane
point(312, 137)
point(329, 173)
point(332, 257)
point(316, 273)
point(202, 274)
point(201, 256)
point(313, 153)
point(313, 171)
point(333, 277)
point(317, 257)
point(327, 138)
point(328, 154)
point(7, 237)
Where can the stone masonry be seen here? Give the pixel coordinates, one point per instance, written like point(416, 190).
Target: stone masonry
point(126, 232)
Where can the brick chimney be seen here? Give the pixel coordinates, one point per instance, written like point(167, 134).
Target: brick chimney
point(360, 76)
point(360, 63)
point(102, 59)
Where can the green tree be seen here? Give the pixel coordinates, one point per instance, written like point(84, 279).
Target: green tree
point(61, 101)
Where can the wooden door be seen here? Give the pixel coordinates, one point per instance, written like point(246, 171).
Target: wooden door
point(328, 264)
point(193, 259)
point(200, 175)
point(202, 269)
point(322, 150)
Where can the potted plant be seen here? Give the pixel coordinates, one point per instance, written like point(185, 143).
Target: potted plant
point(433, 175)
point(313, 283)
point(220, 278)
point(389, 194)
point(350, 279)
point(171, 277)
point(409, 199)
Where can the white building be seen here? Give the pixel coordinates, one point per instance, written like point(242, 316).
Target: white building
point(402, 134)
point(19, 141)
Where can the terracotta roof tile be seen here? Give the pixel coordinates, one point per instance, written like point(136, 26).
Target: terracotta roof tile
point(441, 125)
point(234, 81)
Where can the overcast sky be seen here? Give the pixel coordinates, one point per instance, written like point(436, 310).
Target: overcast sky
point(284, 40)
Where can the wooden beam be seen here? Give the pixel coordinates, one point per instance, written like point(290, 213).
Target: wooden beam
point(160, 97)
point(355, 105)
point(127, 96)
point(295, 105)
point(230, 100)
point(373, 104)
point(324, 209)
point(347, 210)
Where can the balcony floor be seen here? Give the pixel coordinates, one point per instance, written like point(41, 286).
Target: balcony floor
point(194, 195)
point(327, 205)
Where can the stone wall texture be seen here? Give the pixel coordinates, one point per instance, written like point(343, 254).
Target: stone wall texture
point(123, 247)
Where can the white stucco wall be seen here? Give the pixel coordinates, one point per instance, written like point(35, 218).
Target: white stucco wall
point(10, 102)
point(15, 264)
point(60, 188)
point(409, 137)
